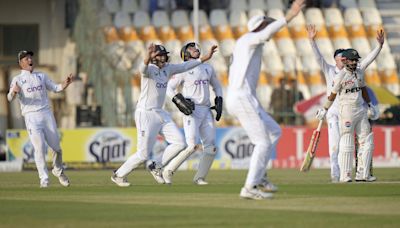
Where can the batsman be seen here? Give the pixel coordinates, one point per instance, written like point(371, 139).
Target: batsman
point(350, 88)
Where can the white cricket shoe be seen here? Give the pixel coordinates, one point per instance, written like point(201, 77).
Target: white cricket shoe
point(369, 179)
point(345, 180)
point(156, 172)
point(200, 181)
point(167, 175)
point(44, 184)
point(120, 181)
point(255, 194)
point(267, 186)
point(62, 178)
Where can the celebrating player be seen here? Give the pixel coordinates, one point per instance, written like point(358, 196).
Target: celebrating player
point(242, 101)
point(350, 87)
point(150, 118)
point(332, 117)
point(31, 89)
point(200, 122)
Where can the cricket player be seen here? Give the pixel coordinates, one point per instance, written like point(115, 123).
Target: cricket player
point(200, 124)
point(31, 89)
point(351, 90)
point(332, 117)
point(243, 103)
point(150, 118)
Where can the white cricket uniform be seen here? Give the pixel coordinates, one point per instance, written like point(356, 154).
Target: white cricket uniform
point(151, 119)
point(200, 124)
point(242, 100)
point(332, 117)
point(353, 118)
point(39, 119)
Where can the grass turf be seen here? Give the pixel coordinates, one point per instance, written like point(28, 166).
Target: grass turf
point(303, 200)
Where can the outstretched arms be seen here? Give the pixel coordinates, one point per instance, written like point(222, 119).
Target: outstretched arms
point(380, 37)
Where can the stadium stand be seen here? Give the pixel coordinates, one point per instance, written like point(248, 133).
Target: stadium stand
point(129, 26)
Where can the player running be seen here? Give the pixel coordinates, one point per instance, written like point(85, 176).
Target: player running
point(150, 118)
point(242, 101)
point(31, 89)
point(351, 90)
point(332, 116)
point(200, 123)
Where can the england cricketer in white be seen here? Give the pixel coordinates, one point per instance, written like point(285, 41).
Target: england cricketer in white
point(332, 117)
point(351, 90)
point(242, 101)
point(150, 118)
point(31, 89)
point(199, 124)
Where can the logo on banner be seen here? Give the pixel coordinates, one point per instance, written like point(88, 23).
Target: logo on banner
point(109, 146)
point(237, 145)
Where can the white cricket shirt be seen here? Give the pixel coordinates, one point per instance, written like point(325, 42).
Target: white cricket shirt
point(244, 71)
point(154, 82)
point(348, 85)
point(33, 94)
point(195, 84)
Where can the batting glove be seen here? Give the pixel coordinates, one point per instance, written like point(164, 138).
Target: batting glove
point(373, 112)
point(321, 113)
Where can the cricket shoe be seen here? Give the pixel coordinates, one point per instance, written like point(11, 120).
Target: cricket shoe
point(369, 179)
point(200, 181)
point(44, 184)
point(255, 194)
point(345, 180)
point(62, 178)
point(120, 181)
point(167, 175)
point(267, 186)
point(156, 172)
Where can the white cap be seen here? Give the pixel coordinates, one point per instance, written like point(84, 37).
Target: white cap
point(256, 21)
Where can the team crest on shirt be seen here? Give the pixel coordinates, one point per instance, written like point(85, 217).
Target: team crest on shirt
point(347, 124)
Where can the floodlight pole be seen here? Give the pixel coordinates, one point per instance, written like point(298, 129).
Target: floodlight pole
point(196, 20)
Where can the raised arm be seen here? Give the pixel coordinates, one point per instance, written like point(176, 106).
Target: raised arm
point(312, 32)
point(50, 85)
point(267, 32)
point(380, 37)
point(295, 9)
point(14, 90)
point(185, 66)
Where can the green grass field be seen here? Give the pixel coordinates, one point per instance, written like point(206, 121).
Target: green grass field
point(304, 200)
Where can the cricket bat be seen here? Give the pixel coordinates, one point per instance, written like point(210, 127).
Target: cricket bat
point(312, 147)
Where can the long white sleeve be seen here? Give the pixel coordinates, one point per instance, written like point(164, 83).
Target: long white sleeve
point(50, 85)
point(370, 57)
point(267, 32)
point(182, 67)
point(320, 59)
point(10, 95)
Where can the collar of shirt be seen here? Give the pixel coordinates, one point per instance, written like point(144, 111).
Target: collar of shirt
point(25, 72)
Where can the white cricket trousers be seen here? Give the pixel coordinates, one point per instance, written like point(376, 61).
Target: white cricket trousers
point(42, 129)
point(200, 125)
point(353, 119)
point(332, 119)
point(149, 124)
point(263, 131)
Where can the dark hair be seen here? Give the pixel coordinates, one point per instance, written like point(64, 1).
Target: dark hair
point(338, 51)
